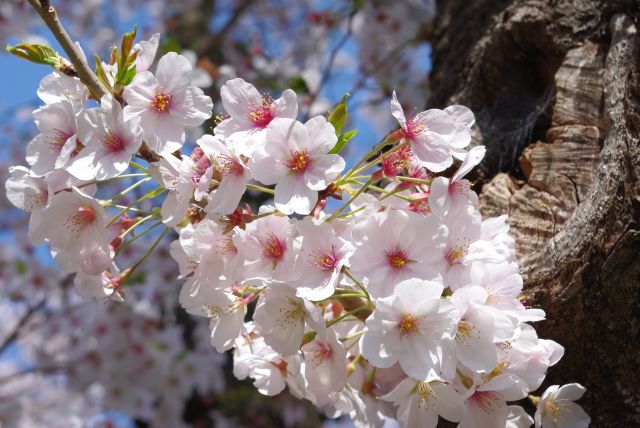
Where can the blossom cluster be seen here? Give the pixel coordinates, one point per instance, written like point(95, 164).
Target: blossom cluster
point(377, 292)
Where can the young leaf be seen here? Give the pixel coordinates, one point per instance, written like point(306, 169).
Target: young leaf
point(339, 115)
point(40, 54)
point(343, 139)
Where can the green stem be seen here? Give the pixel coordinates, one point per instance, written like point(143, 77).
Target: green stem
point(413, 180)
point(353, 336)
point(139, 235)
point(136, 224)
point(347, 314)
point(267, 214)
point(348, 273)
point(123, 209)
point(119, 177)
point(148, 252)
point(125, 191)
point(138, 167)
point(261, 189)
point(346, 204)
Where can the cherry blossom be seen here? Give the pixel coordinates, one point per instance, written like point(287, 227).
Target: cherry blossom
point(414, 327)
point(229, 170)
point(110, 141)
point(250, 113)
point(430, 133)
point(166, 102)
point(57, 142)
point(420, 403)
point(393, 252)
point(455, 193)
point(322, 256)
point(295, 158)
point(556, 408)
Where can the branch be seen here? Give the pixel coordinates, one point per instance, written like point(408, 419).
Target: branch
point(16, 331)
point(76, 56)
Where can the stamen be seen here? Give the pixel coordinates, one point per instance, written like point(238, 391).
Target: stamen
point(161, 101)
point(261, 114)
point(397, 258)
point(299, 162)
point(408, 324)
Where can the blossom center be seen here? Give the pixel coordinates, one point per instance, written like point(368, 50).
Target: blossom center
point(425, 394)
point(487, 401)
point(415, 127)
point(326, 261)
point(113, 143)
point(161, 101)
point(553, 409)
point(261, 114)
point(299, 162)
point(83, 217)
point(273, 247)
point(408, 324)
point(229, 166)
point(57, 139)
point(321, 352)
point(456, 254)
point(397, 258)
point(465, 331)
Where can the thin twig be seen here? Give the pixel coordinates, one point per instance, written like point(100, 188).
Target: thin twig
point(76, 56)
point(16, 331)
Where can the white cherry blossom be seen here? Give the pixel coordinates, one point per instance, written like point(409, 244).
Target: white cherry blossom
point(557, 408)
point(166, 103)
point(250, 113)
point(420, 403)
point(414, 327)
point(392, 251)
point(110, 142)
point(295, 158)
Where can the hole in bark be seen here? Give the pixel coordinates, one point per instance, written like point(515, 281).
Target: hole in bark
point(512, 94)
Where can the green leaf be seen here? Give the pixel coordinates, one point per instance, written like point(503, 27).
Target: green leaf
point(339, 114)
point(101, 73)
point(40, 54)
point(127, 42)
point(343, 139)
point(128, 76)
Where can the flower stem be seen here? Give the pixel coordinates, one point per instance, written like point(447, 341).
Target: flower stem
point(339, 211)
point(136, 224)
point(148, 252)
point(125, 191)
point(124, 209)
point(261, 189)
point(119, 177)
point(348, 273)
point(139, 235)
point(347, 314)
point(139, 167)
point(353, 336)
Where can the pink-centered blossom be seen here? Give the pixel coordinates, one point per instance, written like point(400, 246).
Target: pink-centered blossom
point(250, 113)
point(430, 133)
point(392, 250)
point(295, 158)
point(415, 327)
point(166, 103)
point(109, 142)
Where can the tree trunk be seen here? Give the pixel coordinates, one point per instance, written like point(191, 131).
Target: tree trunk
point(556, 90)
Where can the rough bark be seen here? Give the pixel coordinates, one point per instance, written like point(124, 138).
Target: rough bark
point(556, 88)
